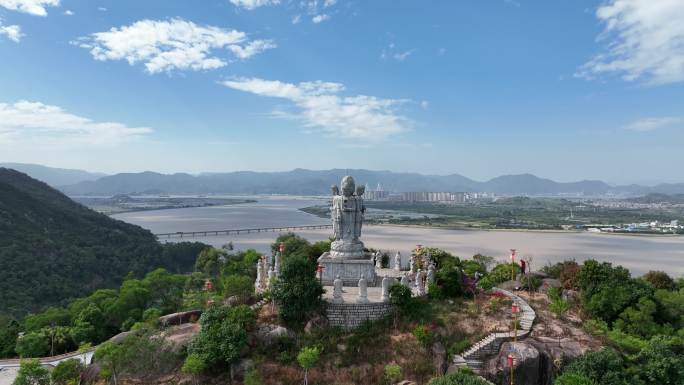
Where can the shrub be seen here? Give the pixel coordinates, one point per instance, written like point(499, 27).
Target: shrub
point(604, 367)
point(573, 379)
point(297, 291)
point(32, 373)
point(67, 372)
point(450, 281)
point(459, 378)
point(501, 273)
point(659, 280)
point(559, 307)
point(459, 347)
point(424, 335)
point(392, 373)
point(33, 344)
point(400, 296)
point(241, 286)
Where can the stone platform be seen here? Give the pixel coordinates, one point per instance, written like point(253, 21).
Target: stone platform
point(349, 270)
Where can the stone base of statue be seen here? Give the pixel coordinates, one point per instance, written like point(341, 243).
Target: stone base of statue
point(346, 249)
point(349, 270)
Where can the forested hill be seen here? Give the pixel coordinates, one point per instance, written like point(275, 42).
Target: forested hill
point(53, 249)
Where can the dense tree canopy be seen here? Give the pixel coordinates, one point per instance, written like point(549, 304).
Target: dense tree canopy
point(53, 249)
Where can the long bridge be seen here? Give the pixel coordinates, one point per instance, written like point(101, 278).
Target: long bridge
point(204, 233)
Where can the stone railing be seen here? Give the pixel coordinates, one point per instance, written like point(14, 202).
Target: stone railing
point(473, 357)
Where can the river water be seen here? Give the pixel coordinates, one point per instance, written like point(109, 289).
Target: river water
point(637, 253)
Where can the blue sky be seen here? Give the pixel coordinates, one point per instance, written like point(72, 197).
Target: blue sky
point(563, 89)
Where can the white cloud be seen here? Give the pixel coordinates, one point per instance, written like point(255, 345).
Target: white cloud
point(296, 19)
point(650, 124)
point(173, 44)
point(401, 56)
point(644, 41)
point(33, 7)
point(102, 9)
point(320, 107)
point(13, 32)
point(69, 12)
point(252, 4)
point(36, 122)
point(320, 18)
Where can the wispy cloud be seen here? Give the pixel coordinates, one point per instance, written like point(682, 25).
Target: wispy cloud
point(253, 4)
point(650, 124)
point(26, 121)
point(391, 51)
point(32, 7)
point(173, 44)
point(644, 41)
point(321, 107)
point(320, 18)
point(319, 10)
point(13, 32)
point(69, 12)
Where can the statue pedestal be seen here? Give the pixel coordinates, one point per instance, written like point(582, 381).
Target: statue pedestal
point(349, 270)
point(346, 249)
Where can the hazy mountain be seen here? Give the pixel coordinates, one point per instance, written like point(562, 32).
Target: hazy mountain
point(308, 182)
point(53, 176)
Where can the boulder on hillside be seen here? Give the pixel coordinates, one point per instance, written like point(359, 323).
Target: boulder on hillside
point(181, 335)
point(117, 339)
point(180, 318)
point(525, 365)
point(510, 285)
point(439, 358)
point(548, 283)
point(317, 323)
point(268, 334)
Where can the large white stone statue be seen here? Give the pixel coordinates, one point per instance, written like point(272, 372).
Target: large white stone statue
point(346, 257)
point(363, 290)
point(347, 212)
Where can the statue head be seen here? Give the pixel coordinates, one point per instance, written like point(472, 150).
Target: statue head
point(360, 190)
point(335, 189)
point(348, 186)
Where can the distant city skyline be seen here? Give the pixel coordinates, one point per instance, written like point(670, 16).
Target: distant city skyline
point(588, 89)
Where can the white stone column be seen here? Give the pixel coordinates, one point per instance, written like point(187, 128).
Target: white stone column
point(386, 283)
point(378, 260)
point(405, 281)
point(363, 290)
point(431, 273)
point(258, 283)
point(337, 290)
point(277, 263)
point(271, 277)
point(412, 265)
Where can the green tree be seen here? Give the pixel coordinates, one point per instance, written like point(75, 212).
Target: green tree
point(209, 261)
point(111, 358)
point(9, 330)
point(223, 335)
point(67, 372)
point(307, 358)
point(241, 286)
point(662, 362)
point(604, 367)
point(33, 344)
point(639, 320)
point(31, 372)
point(294, 246)
point(659, 280)
point(297, 291)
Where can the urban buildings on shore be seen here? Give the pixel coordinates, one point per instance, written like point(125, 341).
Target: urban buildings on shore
point(379, 194)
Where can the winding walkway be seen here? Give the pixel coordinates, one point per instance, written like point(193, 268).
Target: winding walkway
point(473, 358)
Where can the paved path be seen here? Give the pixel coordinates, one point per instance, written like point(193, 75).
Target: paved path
point(9, 368)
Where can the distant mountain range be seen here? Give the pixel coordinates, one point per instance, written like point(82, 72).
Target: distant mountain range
point(53, 176)
point(310, 182)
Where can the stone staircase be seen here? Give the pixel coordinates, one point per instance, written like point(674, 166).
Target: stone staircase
point(474, 356)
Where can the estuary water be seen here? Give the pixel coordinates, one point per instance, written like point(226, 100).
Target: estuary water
point(637, 253)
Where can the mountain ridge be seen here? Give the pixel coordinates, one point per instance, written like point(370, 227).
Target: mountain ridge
point(317, 182)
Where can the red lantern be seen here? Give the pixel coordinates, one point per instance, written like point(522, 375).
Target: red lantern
point(514, 308)
point(210, 302)
point(208, 285)
point(319, 268)
point(512, 255)
point(281, 247)
point(510, 360)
